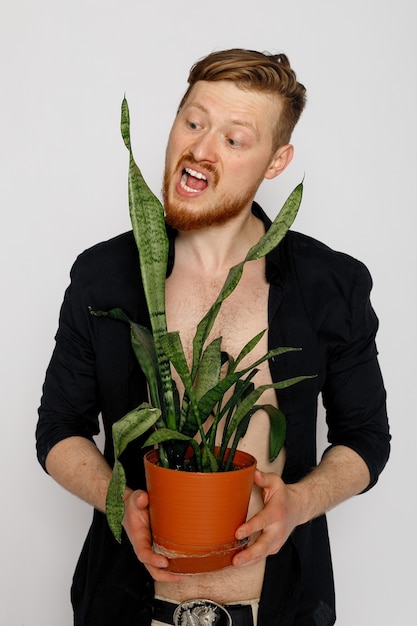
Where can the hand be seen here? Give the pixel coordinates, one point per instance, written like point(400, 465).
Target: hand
point(137, 526)
point(275, 522)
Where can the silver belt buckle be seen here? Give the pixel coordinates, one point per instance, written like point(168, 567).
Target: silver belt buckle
point(201, 613)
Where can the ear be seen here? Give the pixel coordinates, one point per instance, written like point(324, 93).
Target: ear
point(282, 157)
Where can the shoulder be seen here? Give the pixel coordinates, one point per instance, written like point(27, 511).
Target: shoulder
point(107, 274)
point(121, 248)
point(108, 258)
point(310, 260)
point(333, 286)
point(320, 266)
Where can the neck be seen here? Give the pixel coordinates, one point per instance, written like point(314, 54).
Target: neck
point(217, 248)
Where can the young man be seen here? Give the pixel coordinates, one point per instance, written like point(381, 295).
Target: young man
point(232, 130)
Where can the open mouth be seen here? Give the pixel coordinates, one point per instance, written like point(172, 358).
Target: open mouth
point(193, 181)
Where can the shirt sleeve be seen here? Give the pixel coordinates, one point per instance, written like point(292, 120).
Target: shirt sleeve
point(69, 405)
point(353, 393)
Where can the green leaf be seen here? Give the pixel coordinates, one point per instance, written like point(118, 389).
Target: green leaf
point(171, 344)
point(143, 345)
point(144, 348)
point(209, 461)
point(277, 430)
point(269, 355)
point(125, 124)
point(115, 507)
point(166, 434)
point(209, 369)
point(276, 434)
point(241, 390)
point(163, 435)
point(148, 223)
point(289, 382)
point(249, 401)
point(133, 425)
point(279, 227)
point(239, 433)
point(248, 348)
point(268, 242)
point(216, 393)
point(147, 215)
point(211, 398)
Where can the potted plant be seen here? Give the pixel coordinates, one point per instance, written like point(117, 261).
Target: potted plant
point(175, 422)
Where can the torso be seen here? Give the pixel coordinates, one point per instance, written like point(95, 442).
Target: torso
point(242, 316)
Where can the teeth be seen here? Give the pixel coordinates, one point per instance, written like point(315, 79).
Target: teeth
point(195, 174)
point(185, 186)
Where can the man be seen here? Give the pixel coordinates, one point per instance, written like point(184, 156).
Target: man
point(232, 130)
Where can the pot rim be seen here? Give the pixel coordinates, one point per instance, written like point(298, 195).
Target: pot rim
point(245, 461)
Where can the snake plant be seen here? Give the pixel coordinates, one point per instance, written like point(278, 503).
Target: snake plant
point(173, 422)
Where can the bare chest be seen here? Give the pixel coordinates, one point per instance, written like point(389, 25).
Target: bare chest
point(242, 315)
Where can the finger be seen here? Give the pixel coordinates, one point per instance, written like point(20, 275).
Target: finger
point(141, 539)
point(260, 478)
point(140, 499)
point(255, 524)
point(156, 564)
point(164, 576)
point(267, 480)
point(266, 544)
point(142, 545)
point(250, 555)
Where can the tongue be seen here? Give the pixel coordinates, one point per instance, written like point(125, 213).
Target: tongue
point(196, 183)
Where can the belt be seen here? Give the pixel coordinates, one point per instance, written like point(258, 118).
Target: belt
point(200, 611)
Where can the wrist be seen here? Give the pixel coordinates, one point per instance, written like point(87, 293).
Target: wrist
point(301, 497)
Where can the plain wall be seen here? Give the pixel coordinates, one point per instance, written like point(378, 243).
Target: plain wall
point(65, 67)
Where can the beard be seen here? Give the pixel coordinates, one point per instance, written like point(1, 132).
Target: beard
point(180, 214)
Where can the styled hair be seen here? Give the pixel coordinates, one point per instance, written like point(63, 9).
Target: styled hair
point(257, 71)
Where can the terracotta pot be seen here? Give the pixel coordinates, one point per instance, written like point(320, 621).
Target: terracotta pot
point(194, 515)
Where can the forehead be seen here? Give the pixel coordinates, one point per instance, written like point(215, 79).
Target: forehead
point(224, 98)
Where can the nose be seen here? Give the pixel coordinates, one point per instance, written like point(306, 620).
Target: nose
point(204, 147)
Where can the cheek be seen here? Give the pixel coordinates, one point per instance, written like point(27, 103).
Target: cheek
point(259, 167)
point(246, 171)
point(176, 139)
point(172, 146)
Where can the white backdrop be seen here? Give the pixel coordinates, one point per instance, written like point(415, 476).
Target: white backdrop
point(65, 67)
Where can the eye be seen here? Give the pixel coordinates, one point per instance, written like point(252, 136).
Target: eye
point(233, 143)
point(193, 125)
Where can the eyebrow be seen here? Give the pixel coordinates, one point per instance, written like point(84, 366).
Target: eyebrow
point(234, 121)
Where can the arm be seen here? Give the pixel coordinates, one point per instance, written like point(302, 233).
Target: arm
point(78, 466)
point(354, 398)
point(68, 415)
point(341, 474)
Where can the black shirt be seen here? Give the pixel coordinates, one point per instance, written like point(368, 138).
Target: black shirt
point(319, 301)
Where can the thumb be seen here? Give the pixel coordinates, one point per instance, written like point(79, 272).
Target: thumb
point(261, 479)
point(138, 499)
